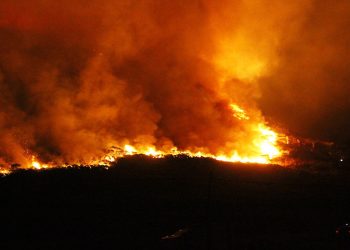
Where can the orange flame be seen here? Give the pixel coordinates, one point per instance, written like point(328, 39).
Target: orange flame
point(35, 164)
point(265, 143)
point(114, 89)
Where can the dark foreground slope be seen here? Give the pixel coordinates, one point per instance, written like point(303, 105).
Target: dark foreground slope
point(139, 201)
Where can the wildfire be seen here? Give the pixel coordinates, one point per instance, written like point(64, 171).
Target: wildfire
point(238, 112)
point(265, 144)
point(35, 164)
point(268, 142)
point(129, 150)
point(147, 80)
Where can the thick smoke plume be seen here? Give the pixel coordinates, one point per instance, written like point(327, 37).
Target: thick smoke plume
point(78, 77)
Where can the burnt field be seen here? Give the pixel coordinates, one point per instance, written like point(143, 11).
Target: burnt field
point(174, 203)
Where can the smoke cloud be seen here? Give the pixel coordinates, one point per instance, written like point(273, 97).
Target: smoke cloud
point(309, 90)
point(77, 77)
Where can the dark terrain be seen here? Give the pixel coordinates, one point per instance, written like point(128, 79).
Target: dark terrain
point(138, 201)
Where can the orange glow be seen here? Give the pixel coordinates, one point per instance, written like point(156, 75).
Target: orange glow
point(4, 171)
point(106, 81)
point(267, 142)
point(264, 148)
point(237, 56)
point(35, 164)
point(238, 112)
point(129, 150)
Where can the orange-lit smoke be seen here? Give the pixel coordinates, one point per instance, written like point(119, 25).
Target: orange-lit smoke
point(79, 79)
point(308, 91)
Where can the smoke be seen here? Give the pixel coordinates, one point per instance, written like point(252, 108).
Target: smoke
point(77, 78)
point(309, 90)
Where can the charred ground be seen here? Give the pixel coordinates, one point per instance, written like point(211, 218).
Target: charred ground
point(135, 203)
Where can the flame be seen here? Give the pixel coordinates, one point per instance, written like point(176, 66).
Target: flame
point(238, 112)
point(265, 143)
point(4, 171)
point(35, 164)
point(119, 91)
point(129, 150)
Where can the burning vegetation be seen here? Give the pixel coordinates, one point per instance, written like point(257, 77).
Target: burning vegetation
point(87, 83)
point(264, 148)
